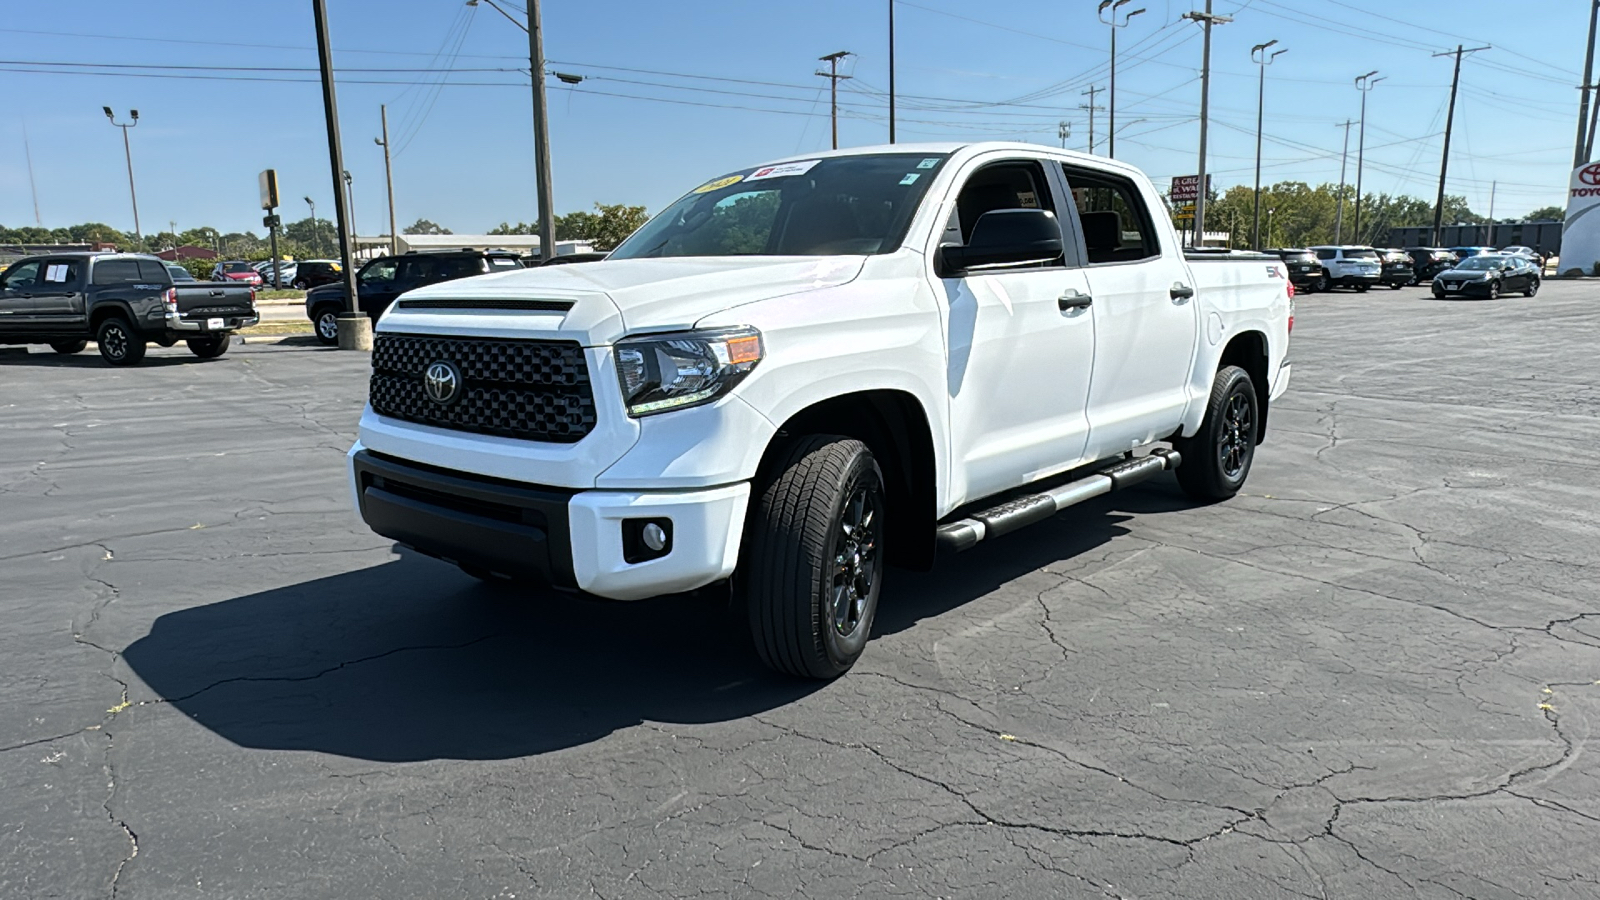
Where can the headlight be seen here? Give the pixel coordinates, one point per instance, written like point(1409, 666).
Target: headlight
point(662, 372)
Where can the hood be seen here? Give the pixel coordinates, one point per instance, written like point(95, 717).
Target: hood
point(612, 298)
point(1465, 274)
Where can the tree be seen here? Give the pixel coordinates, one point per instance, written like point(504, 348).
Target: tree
point(519, 228)
point(423, 226)
point(616, 222)
point(1551, 213)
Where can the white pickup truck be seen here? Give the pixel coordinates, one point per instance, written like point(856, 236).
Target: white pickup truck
point(801, 371)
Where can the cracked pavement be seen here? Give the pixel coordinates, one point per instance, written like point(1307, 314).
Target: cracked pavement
point(1376, 673)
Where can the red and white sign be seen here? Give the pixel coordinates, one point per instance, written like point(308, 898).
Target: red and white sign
point(782, 170)
point(1186, 188)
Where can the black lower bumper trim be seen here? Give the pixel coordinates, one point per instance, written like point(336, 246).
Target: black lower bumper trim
point(504, 527)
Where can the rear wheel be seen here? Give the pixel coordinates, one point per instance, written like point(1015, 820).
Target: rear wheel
point(813, 564)
point(210, 347)
point(300, 284)
point(67, 348)
point(1217, 459)
point(1533, 288)
point(326, 321)
point(1394, 285)
point(1321, 284)
point(118, 343)
point(1363, 288)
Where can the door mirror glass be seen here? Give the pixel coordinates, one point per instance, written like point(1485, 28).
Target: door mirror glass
point(1006, 237)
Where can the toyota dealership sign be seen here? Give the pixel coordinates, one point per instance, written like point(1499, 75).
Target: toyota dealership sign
point(1580, 238)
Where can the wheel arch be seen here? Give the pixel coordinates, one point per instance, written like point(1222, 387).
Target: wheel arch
point(896, 428)
point(107, 309)
point(1248, 351)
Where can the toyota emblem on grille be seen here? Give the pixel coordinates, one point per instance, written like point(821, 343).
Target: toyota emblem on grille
point(442, 382)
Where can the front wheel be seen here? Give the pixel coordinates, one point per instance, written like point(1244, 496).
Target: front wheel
point(119, 344)
point(813, 562)
point(1394, 285)
point(1494, 290)
point(300, 284)
point(210, 347)
point(1363, 288)
point(327, 325)
point(1217, 459)
point(67, 348)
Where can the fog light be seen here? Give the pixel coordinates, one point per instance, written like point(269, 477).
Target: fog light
point(645, 539)
point(654, 537)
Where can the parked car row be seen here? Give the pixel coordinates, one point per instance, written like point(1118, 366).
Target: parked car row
point(1322, 268)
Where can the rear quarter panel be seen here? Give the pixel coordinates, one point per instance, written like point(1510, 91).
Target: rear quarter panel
point(1236, 295)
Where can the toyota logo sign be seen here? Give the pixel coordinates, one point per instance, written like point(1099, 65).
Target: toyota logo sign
point(1590, 174)
point(442, 383)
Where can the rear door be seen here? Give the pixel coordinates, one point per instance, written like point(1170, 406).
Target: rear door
point(58, 298)
point(1145, 314)
point(1021, 346)
point(16, 296)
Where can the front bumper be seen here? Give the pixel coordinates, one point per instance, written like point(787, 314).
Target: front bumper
point(568, 538)
point(1464, 288)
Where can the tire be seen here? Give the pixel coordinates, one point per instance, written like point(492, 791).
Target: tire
point(1395, 285)
point(1533, 288)
point(1363, 288)
point(1216, 461)
point(210, 347)
point(67, 348)
point(1494, 290)
point(1438, 294)
point(813, 562)
point(1321, 285)
point(299, 284)
point(119, 344)
point(326, 324)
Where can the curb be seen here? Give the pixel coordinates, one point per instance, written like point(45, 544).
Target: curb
point(295, 339)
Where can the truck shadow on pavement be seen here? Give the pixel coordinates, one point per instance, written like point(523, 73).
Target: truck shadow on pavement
point(412, 660)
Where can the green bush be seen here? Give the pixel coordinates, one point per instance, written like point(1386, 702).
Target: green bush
point(199, 268)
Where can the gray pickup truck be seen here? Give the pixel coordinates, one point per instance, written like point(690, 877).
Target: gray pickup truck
point(121, 301)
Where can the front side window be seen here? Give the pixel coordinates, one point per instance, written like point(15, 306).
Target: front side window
point(376, 272)
point(839, 206)
point(420, 269)
point(1116, 224)
point(22, 277)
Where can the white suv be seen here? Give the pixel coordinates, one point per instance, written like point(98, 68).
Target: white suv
point(1356, 267)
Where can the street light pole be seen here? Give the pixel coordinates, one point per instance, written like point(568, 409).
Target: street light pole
point(1581, 151)
point(1344, 159)
point(350, 204)
point(1258, 55)
point(127, 151)
point(316, 231)
point(1113, 6)
point(1364, 84)
point(355, 329)
point(388, 177)
point(891, 69)
point(541, 124)
point(1449, 126)
point(833, 76)
point(1064, 131)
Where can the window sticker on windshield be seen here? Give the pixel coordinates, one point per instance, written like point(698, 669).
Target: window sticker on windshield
point(1027, 200)
point(911, 178)
point(720, 183)
point(782, 170)
point(56, 273)
point(928, 163)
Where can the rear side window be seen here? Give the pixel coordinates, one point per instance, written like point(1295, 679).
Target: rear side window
point(1327, 254)
point(459, 267)
point(1116, 223)
point(117, 271)
point(153, 272)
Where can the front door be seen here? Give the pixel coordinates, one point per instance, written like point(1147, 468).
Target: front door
point(1145, 315)
point(1021, 345)
point(58, 301)
point(16, 297)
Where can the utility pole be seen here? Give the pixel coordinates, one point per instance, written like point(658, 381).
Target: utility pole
point(350, 204)
point(891, 70)
point(1594, 119)
point(388, 177)
point(1064, 131)
point(1449, 126)
point(1113, 6)
point(1581, 153)
point(128, 152)
point(1206, 20)
point(541, 124)
point(1344, 160)
point(1494, 186)
point(1258, 55)
point(1364, 84)
point(833, 76)
point(1091, 107)
point(355, 329)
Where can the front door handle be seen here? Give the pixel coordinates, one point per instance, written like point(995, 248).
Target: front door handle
point(1181, 293)
point(1074, 300)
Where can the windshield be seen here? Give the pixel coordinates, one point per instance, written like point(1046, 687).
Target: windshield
point(1361, 254)
point(841, 206)
point(1480, 263)
point(237, 267)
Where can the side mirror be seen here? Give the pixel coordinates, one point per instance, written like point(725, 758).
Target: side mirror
point(1006, 237)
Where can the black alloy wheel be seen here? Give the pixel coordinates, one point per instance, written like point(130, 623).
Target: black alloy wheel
point(118, 344)
point(1216, 460)
point(857, 542)
point(1494, 290)
point(1236, 437)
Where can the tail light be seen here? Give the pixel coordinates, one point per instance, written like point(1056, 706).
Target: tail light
point(170, 299)
point(1291, 309)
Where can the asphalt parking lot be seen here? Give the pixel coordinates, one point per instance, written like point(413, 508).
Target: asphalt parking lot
point(1375, 674)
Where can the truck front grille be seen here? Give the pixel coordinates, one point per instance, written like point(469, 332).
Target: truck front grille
point(534, 390)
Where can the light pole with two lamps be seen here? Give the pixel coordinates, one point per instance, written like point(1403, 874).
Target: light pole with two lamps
point(1259, 56)
point(1113, 6)
point(128, 152)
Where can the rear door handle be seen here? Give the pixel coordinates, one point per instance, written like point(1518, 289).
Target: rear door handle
point(1181, 293)
point(1074, 300)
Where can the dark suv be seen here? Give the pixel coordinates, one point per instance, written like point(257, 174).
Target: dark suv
point(380, 281)
point(315, 273)
point(1427, 262)
point(1304, 269)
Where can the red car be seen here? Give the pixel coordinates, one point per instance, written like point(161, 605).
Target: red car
point(236, 270)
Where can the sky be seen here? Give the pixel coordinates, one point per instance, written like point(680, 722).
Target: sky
point(674, 94)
